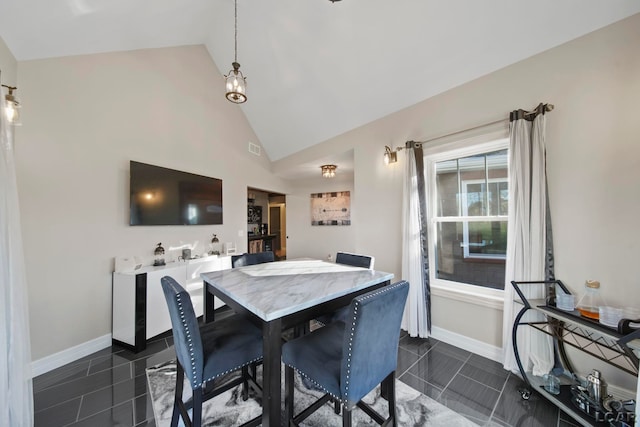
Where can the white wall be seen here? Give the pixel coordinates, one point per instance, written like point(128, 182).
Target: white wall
point(318, 241)
point(593, 153)
point(84, 118)
point(8, 66)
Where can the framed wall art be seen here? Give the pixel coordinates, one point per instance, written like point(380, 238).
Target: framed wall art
point(331, 208)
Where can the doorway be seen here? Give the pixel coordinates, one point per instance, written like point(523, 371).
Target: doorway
point(269, 232)
point(277, 226)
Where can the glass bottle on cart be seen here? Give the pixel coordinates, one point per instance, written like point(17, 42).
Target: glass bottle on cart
point(590, 303)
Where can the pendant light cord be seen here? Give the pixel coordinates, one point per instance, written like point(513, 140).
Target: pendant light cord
point(236, 31)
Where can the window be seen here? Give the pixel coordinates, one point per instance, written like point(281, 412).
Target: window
point(468, 197)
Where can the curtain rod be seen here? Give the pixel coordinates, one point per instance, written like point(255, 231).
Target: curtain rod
point(409, 144)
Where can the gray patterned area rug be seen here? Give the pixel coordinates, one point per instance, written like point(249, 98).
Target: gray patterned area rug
point(228, 409)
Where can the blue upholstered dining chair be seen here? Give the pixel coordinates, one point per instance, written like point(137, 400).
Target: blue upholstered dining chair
point(354, 260)
point(209, 352)
point(252, 259)
point(348, 359)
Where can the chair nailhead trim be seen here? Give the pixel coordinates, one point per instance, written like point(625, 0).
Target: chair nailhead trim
point(189, 339)
point(230, 370)
point(319, 385)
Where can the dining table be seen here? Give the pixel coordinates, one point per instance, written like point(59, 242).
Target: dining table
point(281, 295)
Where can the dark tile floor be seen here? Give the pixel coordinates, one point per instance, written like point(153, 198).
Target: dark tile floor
point(109, 388)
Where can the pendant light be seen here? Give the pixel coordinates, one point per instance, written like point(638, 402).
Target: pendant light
point(236, 84)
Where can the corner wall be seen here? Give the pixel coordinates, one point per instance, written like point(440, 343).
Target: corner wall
point(593, 170)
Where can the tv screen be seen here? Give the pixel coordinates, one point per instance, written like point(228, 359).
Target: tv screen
point(161, 196)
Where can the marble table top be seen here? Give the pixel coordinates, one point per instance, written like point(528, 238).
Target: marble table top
point(276, 289)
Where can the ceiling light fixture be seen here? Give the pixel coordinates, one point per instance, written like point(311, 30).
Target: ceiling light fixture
point(236, 83)
point(328, 171)
point(12, 106)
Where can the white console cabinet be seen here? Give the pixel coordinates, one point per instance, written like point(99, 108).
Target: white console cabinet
point(139, 308)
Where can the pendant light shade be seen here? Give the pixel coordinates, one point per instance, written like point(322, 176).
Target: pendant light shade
point(236, 83)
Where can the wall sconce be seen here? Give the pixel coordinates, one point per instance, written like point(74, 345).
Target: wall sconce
point(391, 155)
point(328, 171)
point(12, 107)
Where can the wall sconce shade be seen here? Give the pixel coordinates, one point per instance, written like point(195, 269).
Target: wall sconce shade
point(390, 156)
point(12, 106)
point(328, 171)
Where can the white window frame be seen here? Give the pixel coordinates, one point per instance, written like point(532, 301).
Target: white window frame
point(433, 153)
point(465, 223)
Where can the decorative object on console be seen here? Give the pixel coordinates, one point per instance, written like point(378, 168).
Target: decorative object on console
point(158, 256)
point(230, 248)
point(236, 83)
point(127, 264)
point(331, 208)
point(328, 171)
point(215, 246)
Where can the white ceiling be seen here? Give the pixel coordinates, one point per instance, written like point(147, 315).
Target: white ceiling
point(317, 69)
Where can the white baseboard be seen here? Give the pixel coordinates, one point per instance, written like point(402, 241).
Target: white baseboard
point(474, 346)
point(49, 363)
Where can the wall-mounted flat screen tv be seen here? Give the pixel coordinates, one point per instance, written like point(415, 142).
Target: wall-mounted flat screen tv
point(161, 196)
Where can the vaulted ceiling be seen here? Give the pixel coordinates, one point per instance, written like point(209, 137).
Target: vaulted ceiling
point(316, 69)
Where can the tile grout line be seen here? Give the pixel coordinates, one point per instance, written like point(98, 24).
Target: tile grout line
point(79, 408)
point(418, 359)
point(495, 405)
point(456, 374)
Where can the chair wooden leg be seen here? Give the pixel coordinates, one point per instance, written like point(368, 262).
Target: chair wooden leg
point(336, 407)
point(346, 417)
point(197, 408)
point(389, 384)
point(288, 394)
point(245, 383)
point(177, 396)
